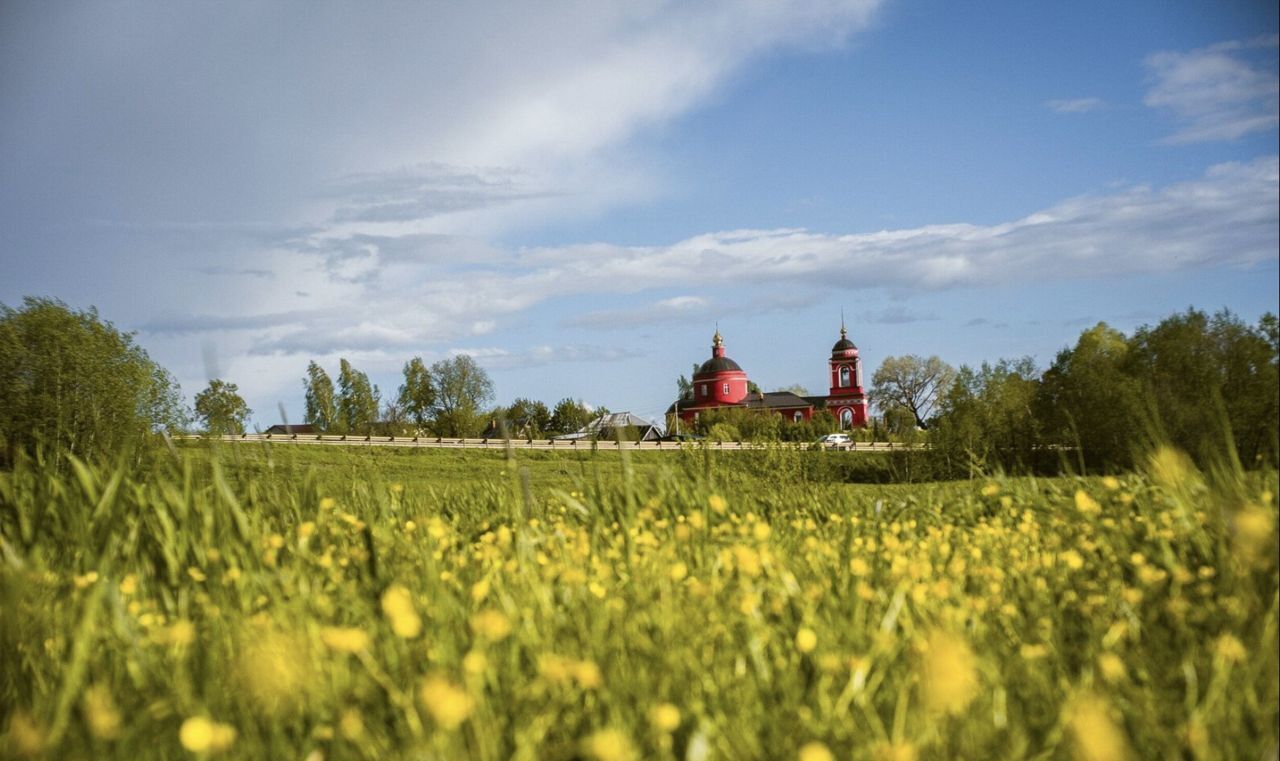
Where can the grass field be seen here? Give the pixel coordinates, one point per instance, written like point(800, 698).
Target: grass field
point(322, 603)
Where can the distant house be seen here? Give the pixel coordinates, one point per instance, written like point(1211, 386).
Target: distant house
point(617, 425)
point(293, 430)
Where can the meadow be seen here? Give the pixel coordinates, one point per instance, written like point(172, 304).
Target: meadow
point(324, 603)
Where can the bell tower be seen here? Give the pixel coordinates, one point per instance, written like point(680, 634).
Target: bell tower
point(846, 399)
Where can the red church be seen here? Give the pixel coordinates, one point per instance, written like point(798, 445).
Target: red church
point(720, 383)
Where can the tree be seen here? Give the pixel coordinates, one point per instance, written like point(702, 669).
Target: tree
point(321, 409)
point(684, 386)
point(987, 418)
point(1203, 376)
point(417, 396)
point(796, 389)
point(1086, 399)
point(569, 416)
point(462, 388)
point(222, 409)
point(358, 401)
point(527, 417)
point(73, 382)
point(913, 383)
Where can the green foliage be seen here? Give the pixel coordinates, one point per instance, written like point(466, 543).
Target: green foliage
point(417, 398)
point(768, 607)
point(1088, 400)
point(1208, 385)
point(72, 382)
point(1201, 373)
point(358, 401)
point(912, 383)
point(527, 418)
point(321, 403)
point(723, 432)
point(987, 419)
point(221, 409)
point(462, 388)
point(569, 416)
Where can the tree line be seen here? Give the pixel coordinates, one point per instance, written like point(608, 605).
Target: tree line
point(1207, 384)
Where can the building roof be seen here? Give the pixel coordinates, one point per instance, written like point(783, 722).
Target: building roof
point(292, 429)
point(766, 400)
point(603, 426)
point(717, 365)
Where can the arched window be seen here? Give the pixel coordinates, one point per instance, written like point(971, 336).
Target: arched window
point(846, 418)
point(798, 416)
point(844, 376)
point(704, 389)
point(726, 389)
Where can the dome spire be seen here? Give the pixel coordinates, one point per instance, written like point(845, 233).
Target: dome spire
point(843, 333)
point(717, 339)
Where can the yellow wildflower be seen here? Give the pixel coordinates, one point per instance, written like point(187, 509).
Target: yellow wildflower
point(448, 704)
point(128, 585)
point(475, 662)
point(815, 751)
point(351, 724)
point(1112, 668)
point(85, 580)
point(806, 640)
point(202, 735)
point(1034, 652)
point(397, 605)
point(609, 745)
point(1251, 533)
point(491, 624)
point(678, 571)
point(1229, 649)
point(327, 503)
point(1111, 483)
point(718, 504)
point(344, 639)
point(101, 714)
point(990, 490)
point(25, 737)
point(1086, 504)
point(1096, 737)
point(480, 590)
point(1072, 559)
point(949, 673)
point(181, 633)
point(664, 717)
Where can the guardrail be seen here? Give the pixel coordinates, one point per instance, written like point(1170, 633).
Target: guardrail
point(569, 445)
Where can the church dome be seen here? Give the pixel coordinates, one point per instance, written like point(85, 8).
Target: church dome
point(844, 344)
point(718, 365)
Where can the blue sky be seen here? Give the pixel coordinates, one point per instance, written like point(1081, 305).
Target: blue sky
point(576, 195)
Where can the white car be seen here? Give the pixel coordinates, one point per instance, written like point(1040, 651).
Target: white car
point(835, 440)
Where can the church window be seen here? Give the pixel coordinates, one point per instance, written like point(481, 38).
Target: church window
point(846, 418)
point(844, 376)
point(726, 389)
point(798, 416)
point(704, 389)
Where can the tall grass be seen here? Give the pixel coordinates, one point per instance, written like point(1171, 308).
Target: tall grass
point(705, 607)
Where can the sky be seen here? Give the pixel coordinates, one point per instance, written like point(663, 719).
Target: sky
point(578, 194)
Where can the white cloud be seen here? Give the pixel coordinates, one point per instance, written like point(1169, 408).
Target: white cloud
point(1076, 105)
point(1221, 92)
point(505, 359)
point(1228, 217)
